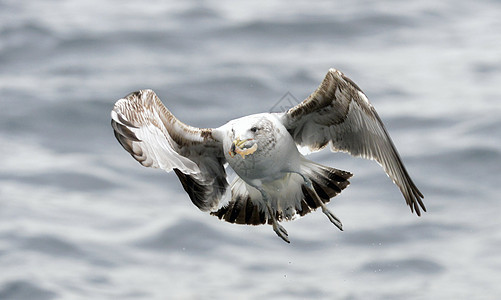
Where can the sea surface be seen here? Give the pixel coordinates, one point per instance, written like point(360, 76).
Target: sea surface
point(80, 219)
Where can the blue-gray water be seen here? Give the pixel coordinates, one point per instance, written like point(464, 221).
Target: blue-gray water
point(80, 219)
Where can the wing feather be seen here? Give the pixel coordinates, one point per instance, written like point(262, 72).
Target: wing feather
point(339, 113)
point(155, 138)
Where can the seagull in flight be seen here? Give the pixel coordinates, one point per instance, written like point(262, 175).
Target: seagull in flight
point(274, 182)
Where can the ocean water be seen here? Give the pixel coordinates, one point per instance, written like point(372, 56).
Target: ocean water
point(80, 219)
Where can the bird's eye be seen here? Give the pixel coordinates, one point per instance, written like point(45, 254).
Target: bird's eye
point(254, 129)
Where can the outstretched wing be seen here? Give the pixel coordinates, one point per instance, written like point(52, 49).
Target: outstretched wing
point(155, 138)
point(339, 112)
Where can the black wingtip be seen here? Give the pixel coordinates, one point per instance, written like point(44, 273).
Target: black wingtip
point(417, 204)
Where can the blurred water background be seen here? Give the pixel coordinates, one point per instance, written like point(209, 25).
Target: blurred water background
point(80, 219)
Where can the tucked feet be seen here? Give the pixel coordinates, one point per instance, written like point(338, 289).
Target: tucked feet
point(281, 232)
point(332, 218)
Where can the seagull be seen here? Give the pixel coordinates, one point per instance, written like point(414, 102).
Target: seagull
point(274, 182)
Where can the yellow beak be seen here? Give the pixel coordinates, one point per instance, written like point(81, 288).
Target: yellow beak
point(236, 148)
point(239, 143)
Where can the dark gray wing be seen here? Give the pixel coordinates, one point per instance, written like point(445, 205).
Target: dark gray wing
point(155, 138)
point(339, 113)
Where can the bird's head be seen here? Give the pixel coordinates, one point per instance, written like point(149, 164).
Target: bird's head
point(247, 134)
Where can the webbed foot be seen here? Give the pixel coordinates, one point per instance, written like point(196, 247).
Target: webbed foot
point(281, 232)
point(332, 218)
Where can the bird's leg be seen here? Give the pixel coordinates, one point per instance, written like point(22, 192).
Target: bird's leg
point(332, 217)
point(279, 229)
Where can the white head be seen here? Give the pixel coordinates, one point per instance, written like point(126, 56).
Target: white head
point(254, 133)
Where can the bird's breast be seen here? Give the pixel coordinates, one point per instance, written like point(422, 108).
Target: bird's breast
point(271, 157)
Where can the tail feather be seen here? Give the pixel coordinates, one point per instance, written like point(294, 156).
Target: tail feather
point(241, 210)
point(290, 197)
point(327, 182)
